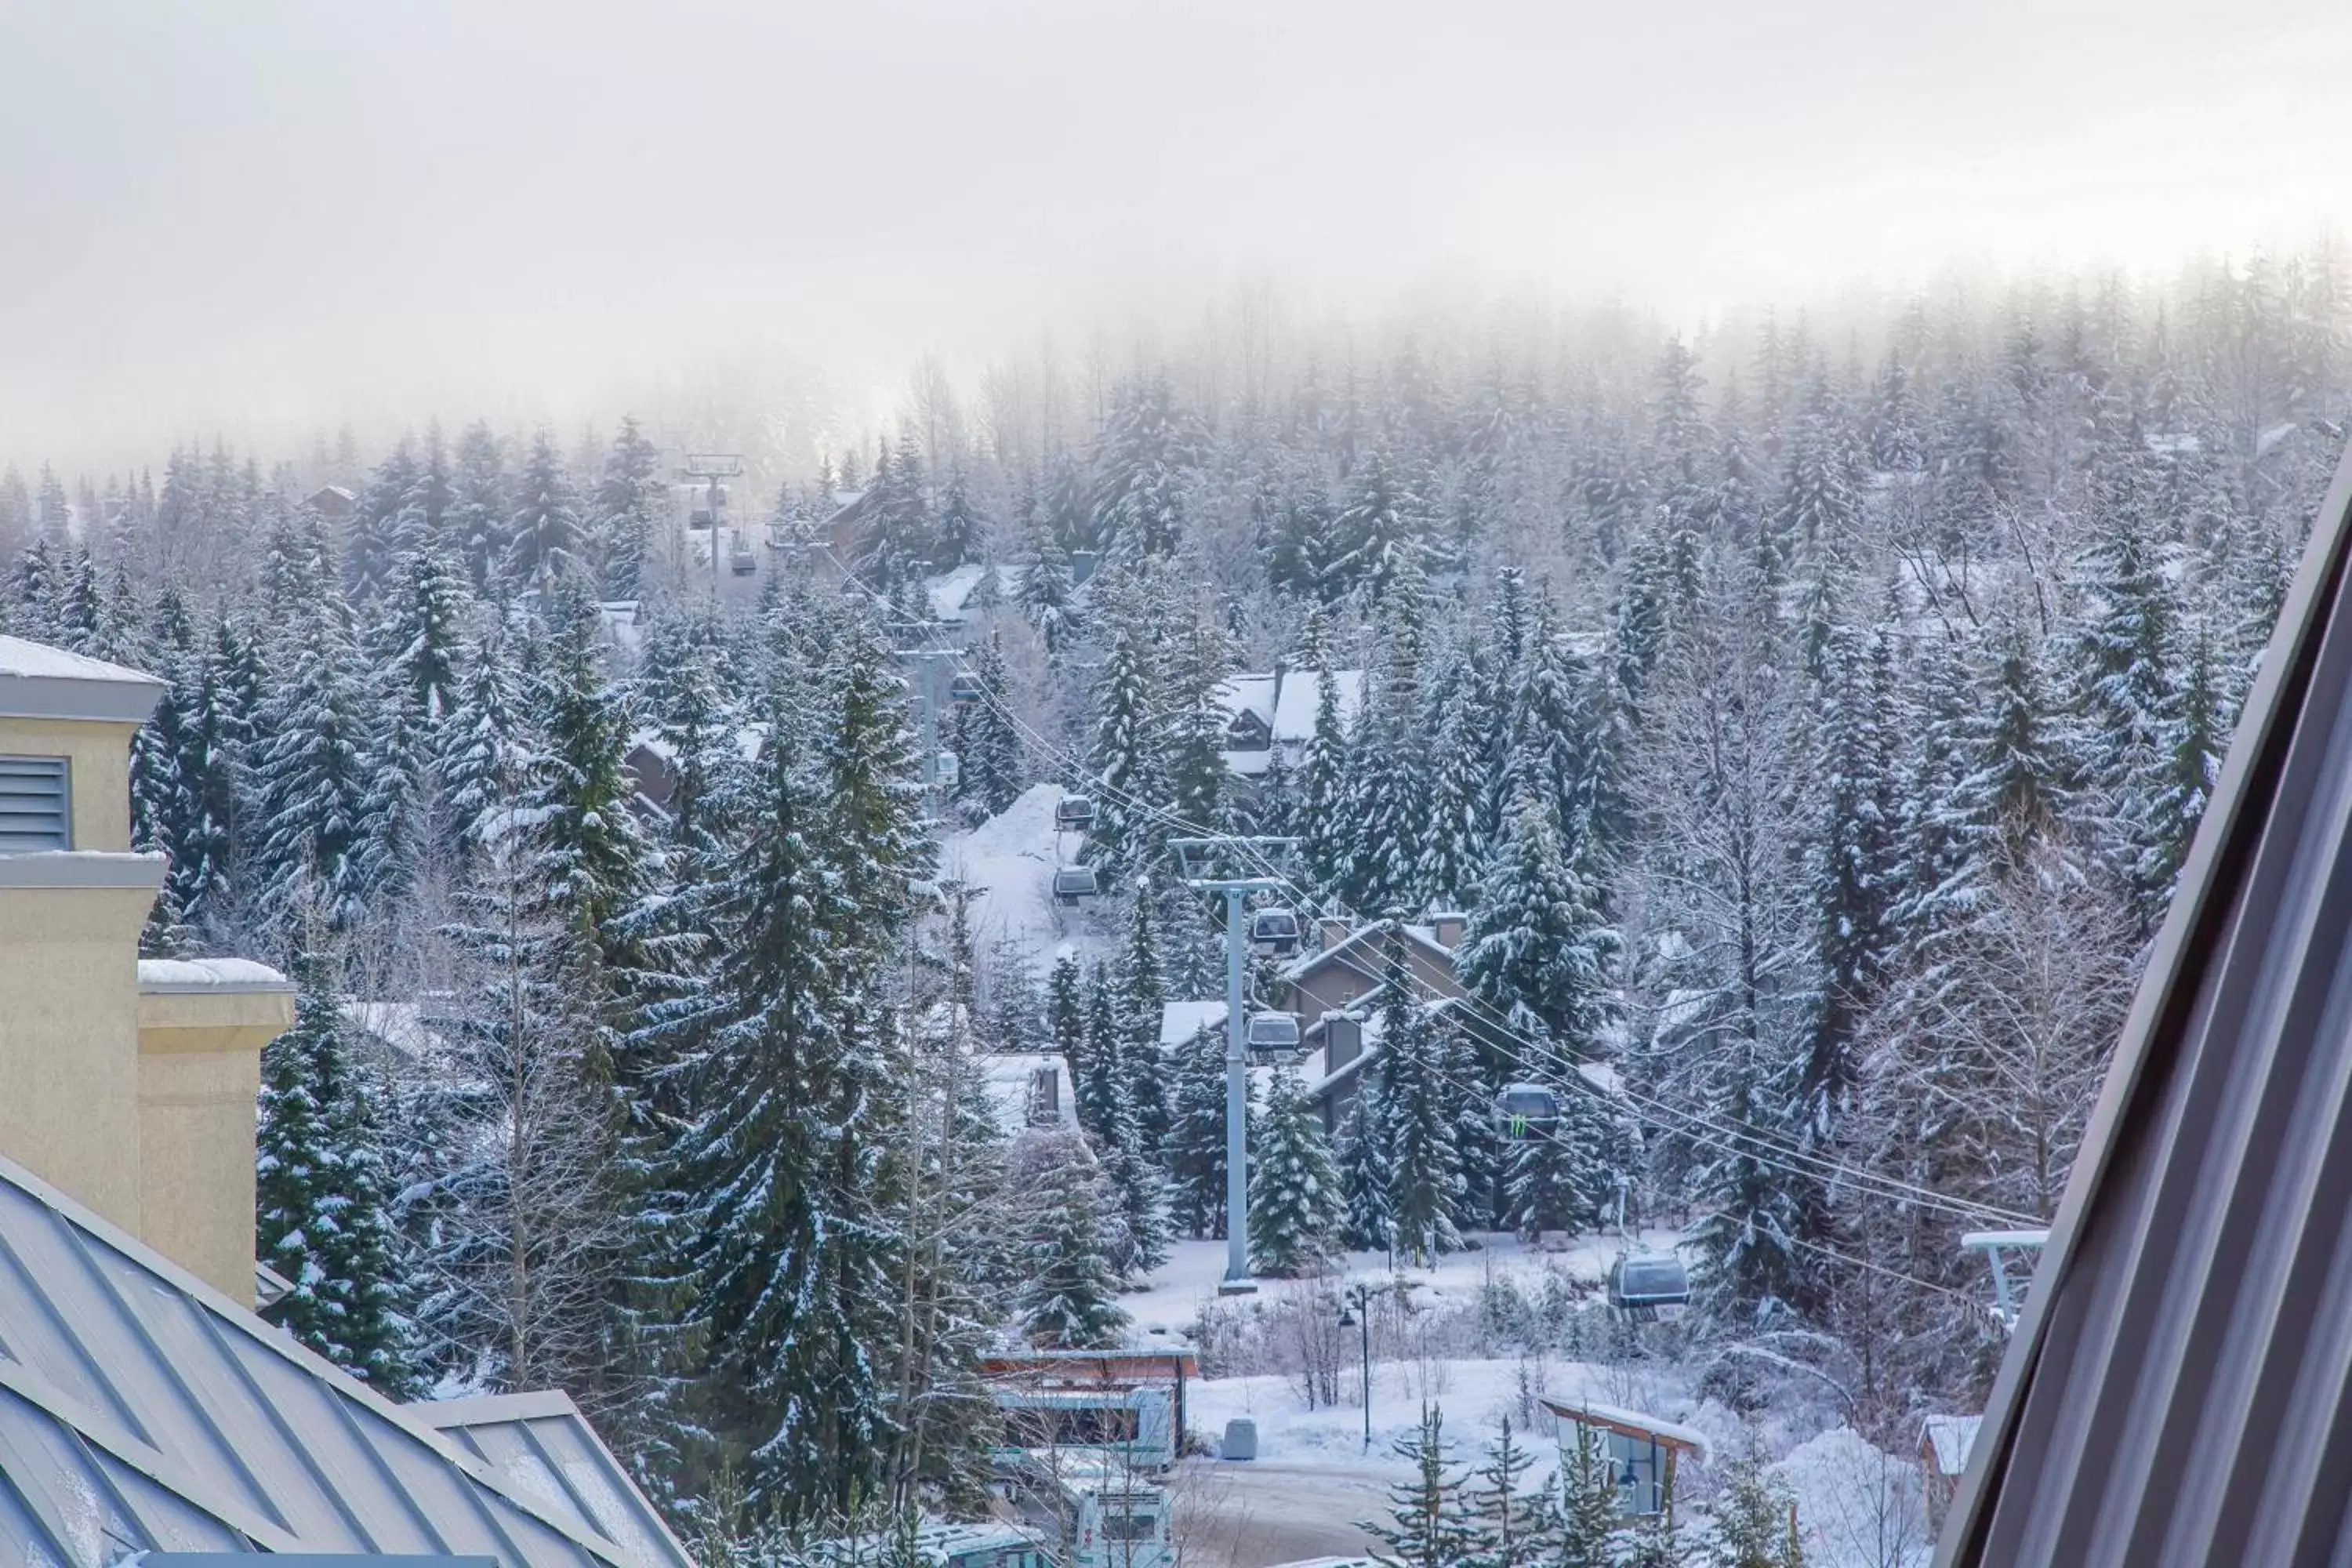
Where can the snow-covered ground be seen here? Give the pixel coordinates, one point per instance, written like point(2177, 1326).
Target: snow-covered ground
point(1169, 1308)
point(1315, 1475)
point(1008, 862)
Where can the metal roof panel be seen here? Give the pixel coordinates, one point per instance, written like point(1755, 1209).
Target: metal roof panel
point(2179, 1390)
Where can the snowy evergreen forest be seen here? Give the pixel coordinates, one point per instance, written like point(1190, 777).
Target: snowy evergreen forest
point(1811, 723)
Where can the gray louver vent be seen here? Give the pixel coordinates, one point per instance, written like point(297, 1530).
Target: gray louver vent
point(33, 805)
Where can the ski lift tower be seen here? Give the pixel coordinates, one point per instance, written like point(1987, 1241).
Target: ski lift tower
point(1197, 861)
point(710, 468)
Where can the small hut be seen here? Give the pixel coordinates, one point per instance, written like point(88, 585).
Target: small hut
point(1642, 1451)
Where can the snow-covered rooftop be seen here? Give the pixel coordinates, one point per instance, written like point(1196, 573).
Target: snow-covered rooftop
point(1285, 701)
point(37, 681)
point(1632, 1423)
point(949, 590)
point(1009, 1077)
point(1306, 964)
point(164, 975)
point(1948, 1439)
point(399, 1024)
point(1180, 1021)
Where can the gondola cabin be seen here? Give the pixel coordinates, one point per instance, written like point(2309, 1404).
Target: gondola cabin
point(964, 687)
point(1274, 934)
point(1271, 1035)
point(1074, 813)
point(1527, 1111)
point(1072, 883)
point(1649, 1286)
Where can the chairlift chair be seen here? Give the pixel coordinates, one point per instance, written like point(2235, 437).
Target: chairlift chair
point(1271, 1033)
point(1649, 1286)
point(1073, 814)
point(1274, 934)
point(1527, 1111)
point(1072, 883)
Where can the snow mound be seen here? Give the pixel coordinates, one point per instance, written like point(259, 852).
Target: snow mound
point(1857, 1505)
point(1008, 863)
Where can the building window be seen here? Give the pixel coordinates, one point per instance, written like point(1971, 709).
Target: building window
point(33, 805)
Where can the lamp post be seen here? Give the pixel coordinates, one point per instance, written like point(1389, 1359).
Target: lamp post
point(1356, 1308)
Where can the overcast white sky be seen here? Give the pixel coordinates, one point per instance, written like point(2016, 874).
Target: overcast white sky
point(257, 217)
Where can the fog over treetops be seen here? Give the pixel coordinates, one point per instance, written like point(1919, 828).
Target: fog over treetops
point(265, 222)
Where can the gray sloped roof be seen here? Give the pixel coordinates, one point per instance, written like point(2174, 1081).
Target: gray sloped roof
point(542, 1442)
point(2176, 1392)
point(142, 1410)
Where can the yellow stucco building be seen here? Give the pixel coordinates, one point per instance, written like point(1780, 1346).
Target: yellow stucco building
point(128, 1084)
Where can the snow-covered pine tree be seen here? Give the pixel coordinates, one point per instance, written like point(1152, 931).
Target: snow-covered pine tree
point(380, 525)
point(894, 542)
point(1382, 800)
point(1560, 1179)
point(1546, 759)
point(991, 746)
point(215, 731)
point(1591, 1530)
point(488, 750)
point(1428, 1523)
point(1101, 1069)
point(1453, 850)
point(599, 863)
point(1125, 753)
point(426, 639)
point(1471, 1080)
point(1426, 1186)
point(1068, 1293)
point(2122, 665)
point(1748, 1527)
point(1537, 949)
point(1192, 724)
point(1142, 994)
point(321, 1221)
point(785, 1262)
point(1143, 462)
point(545, 537)
point(1512, 1527)
point(2196, 737)
point(1818, 509)
point(1323, 774)
point(685, 690)
point(1852, 863)
point(1136, 1186)
point(478, 524)
point(959, 534)
point(1296, 1207)
point(1045, 592)
point(1380, 534)
point(313, 770)
point(1066, 1013)
point(1196, 1133)
point(1364, 1160)
point(626, 509)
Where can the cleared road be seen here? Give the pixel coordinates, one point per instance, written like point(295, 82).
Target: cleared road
point(1256, 1515)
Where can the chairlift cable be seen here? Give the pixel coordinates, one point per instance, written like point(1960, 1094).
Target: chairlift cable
point(1807, 1165)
